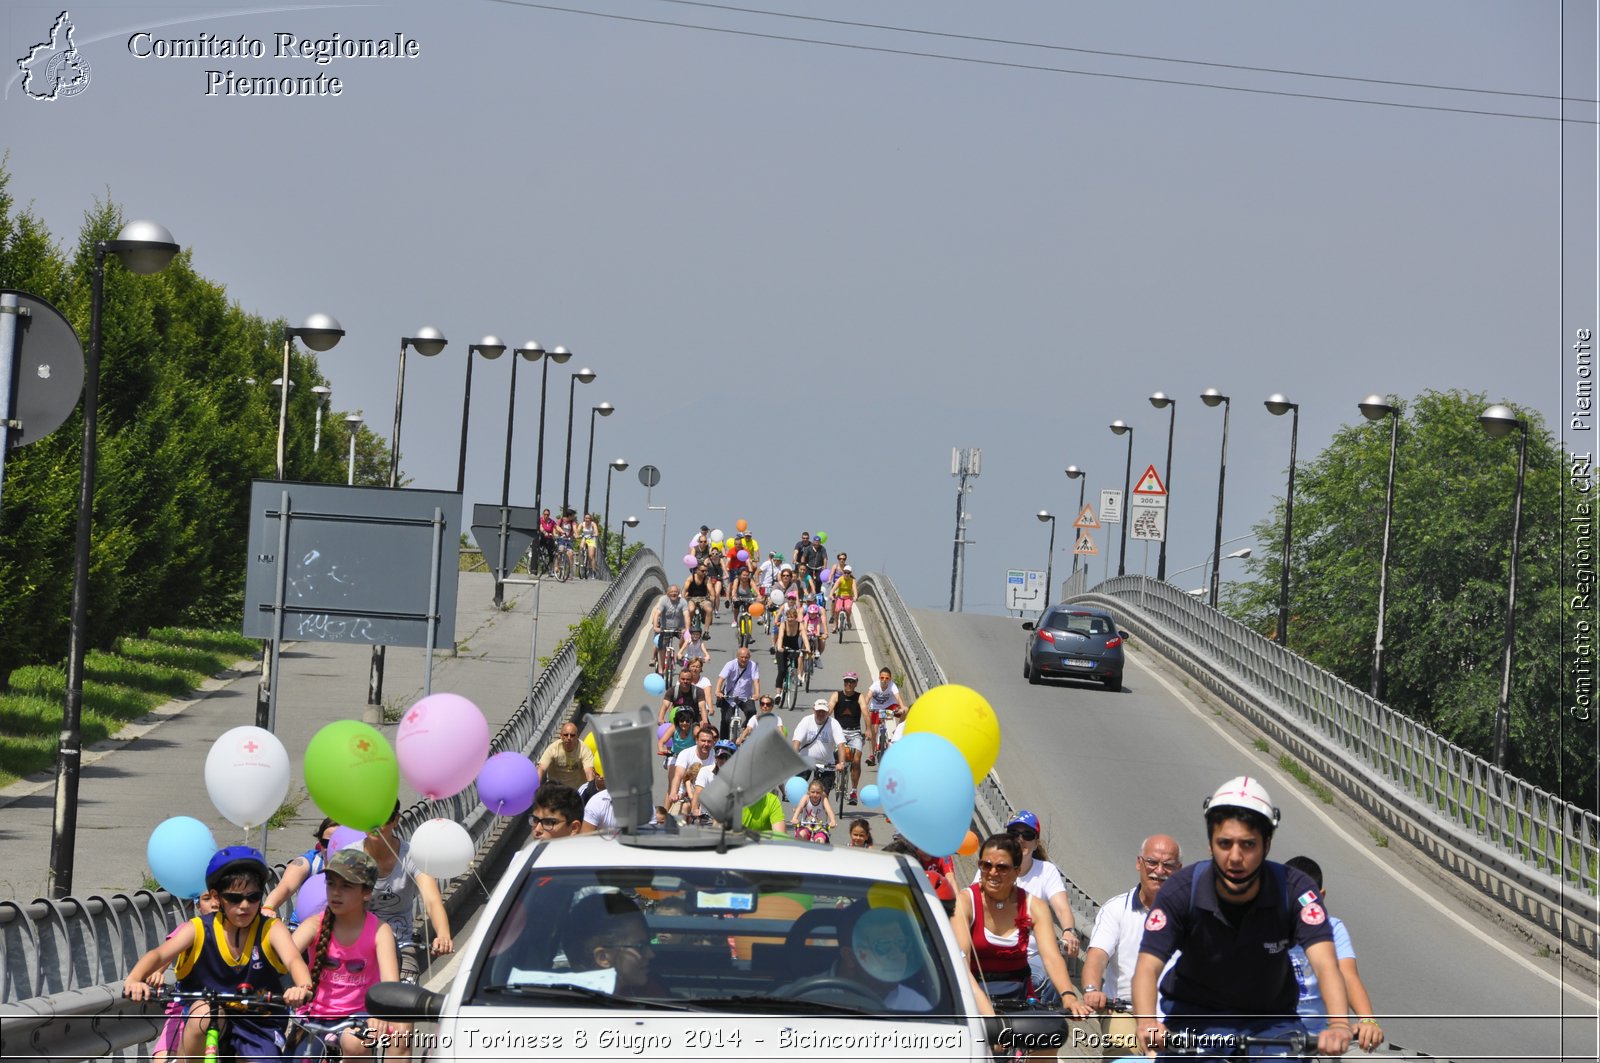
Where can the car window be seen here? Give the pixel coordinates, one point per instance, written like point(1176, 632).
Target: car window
point(702, 933)
point(1083, 624)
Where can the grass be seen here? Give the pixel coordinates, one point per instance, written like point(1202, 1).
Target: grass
point(119, 687)
point(286, 812)
point(1293, 767)
point(1380, 839)
point(1261, 745)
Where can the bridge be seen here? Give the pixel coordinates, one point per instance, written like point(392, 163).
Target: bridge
point(1461, 886)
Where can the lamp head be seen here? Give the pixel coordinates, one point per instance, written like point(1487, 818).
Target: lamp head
point(560, 355)
point(428, 341)
point(1374, 408)
point(322, 391)
point(354, 420)
point(1277, 405)
point(277, 382)
point(1045, 516)
point(1242, 552)
point(632, 522)
point(1120, 428)
point(584, 375)
point(320, 332)
point(619, 465)
point(1213, 397)
point(1073, 472)
point(490, 347)
point(1160, 401)
point(531, 350)
point(144, 247)
point(605, 409)
point(1498, 421)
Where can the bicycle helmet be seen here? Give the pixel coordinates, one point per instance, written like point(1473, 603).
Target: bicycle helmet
point(725, 746)
point(232, 860)
point(1243, 793)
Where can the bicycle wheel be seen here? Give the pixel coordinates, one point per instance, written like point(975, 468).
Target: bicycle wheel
point(842, 793)
point(809, 665)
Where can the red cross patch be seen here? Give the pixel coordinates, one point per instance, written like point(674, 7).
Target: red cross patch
point(1157, 920)
point(1313, 915)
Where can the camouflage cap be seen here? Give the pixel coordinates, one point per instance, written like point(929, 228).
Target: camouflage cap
point(354, 866)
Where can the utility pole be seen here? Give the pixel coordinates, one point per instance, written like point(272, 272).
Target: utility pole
point(964, 465)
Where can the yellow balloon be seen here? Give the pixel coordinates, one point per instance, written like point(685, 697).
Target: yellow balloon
point(960, 715)
point(588, 740)
point(890, 895)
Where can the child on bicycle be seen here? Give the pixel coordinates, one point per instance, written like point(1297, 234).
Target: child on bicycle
point(350, 949)
point(167, 1044)
point(813, 817)
point(234, 947)
point(816, 620)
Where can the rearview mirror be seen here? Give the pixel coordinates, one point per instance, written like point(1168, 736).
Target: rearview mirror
point(1027, 625)
point(404, 1002)
point(1125, 635)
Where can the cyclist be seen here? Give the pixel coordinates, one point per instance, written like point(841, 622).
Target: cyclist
point(802, 559)
point(718, 570)
point(846, 708)
point(816, 615)
point(566, 532)
point(669, 622)
point(814, 819)
point(738, 687)
point(790, 633)
point(589, 538)
point(686, 768)
point(820, 741)
point(1369, 1033)
point(767, 573)
point(1232, 920)
point(679, 738)
point(685, 694)
point(880, 696)
point(742, 594)
point(697, 590)
point(296, 874)
point(844, 593)
point(764, 717)
point(544, 558)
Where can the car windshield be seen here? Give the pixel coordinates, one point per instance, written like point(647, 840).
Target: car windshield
point(1082, 623)
point(717, 939)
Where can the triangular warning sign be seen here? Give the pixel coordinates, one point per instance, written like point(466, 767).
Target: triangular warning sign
point(1085, 547)
point(1086, 519)
point(1150, 483)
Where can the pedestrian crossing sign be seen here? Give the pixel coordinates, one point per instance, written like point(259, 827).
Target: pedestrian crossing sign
point(1085, 547)
point(1086, 519)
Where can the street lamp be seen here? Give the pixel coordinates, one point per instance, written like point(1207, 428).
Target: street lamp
point(605, 409)
point(1211, 397)
point(319, 333)
point(352, 422)
point(1047, 517)
point(558, 356)
point(622, 537)
point(617, 465)
point(491, 348)
point(1374, 408)
point(1233, 555)
point(532, 352)
point(143, 247)
point(1277, 405)
point(428, 342)
point(1498, 422)
point(1075, 473)
point(1162, 402)
point(1127, 482)
point(322, 392)
point(586, 376)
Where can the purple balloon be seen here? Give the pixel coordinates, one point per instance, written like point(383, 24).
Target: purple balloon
point(507, 782)
point(690, 561)
point(661, 732)
point(744, 555)
point(344, 838)
point(312, 897)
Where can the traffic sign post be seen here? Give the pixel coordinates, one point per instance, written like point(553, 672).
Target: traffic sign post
point(1110, 506)
point(1024, 589)
point(1148, 508)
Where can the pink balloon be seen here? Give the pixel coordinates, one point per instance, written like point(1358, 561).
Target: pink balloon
point(441, 745)
point(690, 561)
point(344, 838)
point(507, 783)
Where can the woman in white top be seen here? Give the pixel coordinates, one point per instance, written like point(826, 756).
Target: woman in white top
point(880, 695)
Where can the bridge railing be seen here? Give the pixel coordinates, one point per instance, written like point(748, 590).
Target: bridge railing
point(63, 961)
point(1526, 848)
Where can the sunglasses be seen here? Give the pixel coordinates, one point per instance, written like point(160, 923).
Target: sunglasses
point(548, 822)
point(1023, 834)
point(253, 897)
point(990, 865)
point(353, 964)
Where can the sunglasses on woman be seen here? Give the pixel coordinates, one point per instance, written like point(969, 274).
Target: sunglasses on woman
point(1024, 835)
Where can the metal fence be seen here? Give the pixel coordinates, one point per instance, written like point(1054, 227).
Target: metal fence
point(63, 961)
point(1525, 848)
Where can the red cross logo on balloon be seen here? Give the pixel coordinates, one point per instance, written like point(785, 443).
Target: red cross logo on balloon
point(892, 785)
point(414, 716)
point(250, 746)
point(363, 745)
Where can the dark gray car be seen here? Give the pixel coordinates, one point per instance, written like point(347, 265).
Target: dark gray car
point(1074, 642)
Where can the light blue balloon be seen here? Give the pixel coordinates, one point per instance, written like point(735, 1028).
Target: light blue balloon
point(927, 791)
point(870, 797)
point(795, 789)
point(654, 685)
point(178, 851)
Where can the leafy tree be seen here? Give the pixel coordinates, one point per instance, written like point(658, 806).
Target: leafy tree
point(1448, 565)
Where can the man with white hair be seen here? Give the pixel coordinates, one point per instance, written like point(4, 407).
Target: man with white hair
point(1114, 944)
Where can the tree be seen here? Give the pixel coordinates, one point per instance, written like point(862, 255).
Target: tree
point(1448, 566)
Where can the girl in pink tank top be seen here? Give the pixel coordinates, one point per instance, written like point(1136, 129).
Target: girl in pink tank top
point(349, 950)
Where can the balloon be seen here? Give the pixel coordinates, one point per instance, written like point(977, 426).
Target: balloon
point(178, 851)
point(247, 775)
point(961, 715)
point(969, 844)
point(441, 848)
point(755, 547)
point(795, 789)
point(588, 740)
point(926, 792)
point(716, 534)
point(507, 782)
point(441, 744)
point(742, 524)
point(743, 555)
point(352, 775)
point(661, 732)
point(312, 897)
point(827, 574)
point(822, 537)
point(690, 562)
point(870, 797)
point(694, 541)
point(654, 685)
point(344, 838)
point(756, 609)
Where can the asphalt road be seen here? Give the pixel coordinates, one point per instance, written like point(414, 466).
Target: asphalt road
point(1104, 770)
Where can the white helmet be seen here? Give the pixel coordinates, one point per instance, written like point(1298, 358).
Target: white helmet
point(1246, 793)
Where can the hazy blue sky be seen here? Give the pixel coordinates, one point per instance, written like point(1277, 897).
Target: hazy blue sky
point(804, 272)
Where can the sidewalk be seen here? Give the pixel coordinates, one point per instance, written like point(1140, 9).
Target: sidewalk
point(154, 768)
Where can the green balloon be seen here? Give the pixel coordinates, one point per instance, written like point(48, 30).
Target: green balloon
point(352, 774)
point(822, 537)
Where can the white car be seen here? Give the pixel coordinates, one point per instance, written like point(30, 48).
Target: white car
point(703, 946)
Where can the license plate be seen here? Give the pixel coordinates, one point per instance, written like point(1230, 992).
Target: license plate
point(1079, 662)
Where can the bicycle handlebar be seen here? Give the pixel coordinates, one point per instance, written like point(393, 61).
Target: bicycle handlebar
point(242, 999)
point(1203, 1044)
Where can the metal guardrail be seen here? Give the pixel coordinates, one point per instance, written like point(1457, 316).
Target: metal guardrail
point(63, 961)
point(1526, 849)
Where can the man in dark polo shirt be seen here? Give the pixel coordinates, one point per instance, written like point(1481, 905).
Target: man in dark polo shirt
point(1233, 919)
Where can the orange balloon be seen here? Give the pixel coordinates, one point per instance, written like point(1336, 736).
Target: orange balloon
point(756, 608)
point(742, 524)
point(969, 844)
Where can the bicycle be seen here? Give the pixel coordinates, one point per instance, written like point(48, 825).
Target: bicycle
point(746, 626)
point(217, 1002)
point(564, 560)
point(808, 665)
point(585, 568)
point(789, 667)
point(842, 620)
point(842, 788)
point(320, 1038)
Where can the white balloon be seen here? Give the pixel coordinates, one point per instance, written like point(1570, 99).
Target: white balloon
point(441, 848)
point(717, 536)
point(247, 775)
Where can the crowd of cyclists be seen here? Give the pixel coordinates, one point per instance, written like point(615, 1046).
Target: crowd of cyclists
point(567, 546)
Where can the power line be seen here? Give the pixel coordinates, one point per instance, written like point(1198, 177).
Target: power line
point(1036, 67)
point(1123, 55)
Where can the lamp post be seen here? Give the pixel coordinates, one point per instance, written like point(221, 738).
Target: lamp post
point(1374, 408)
point(629, 521)
point(1232, 555)
point(1212, 397)
point(1119, 428)
point(617, 465)
point(319, 333)
point(1047, 517)
point(428, 342)
point(491, 348)
point(322, 392)
point(1277, 405)
point(1498, 422)
point(1162, 402)
point(559, 356)
point(1075, 473)
point(143, 247)
point(353, 424)
point(586, 376)
point(532, 352)
point(605, 409)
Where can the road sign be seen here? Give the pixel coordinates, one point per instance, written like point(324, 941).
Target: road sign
point(1024, 589)
point(1085, 547)
point(649, 475)
point(522, 524)
point(1110, 506)
point(1086, 519)
point(1149, 521)
point(1150, 491)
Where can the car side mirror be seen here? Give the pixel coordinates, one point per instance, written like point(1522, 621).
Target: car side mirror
point(1125, 636)
point(1027, 625)
point(404, 1002)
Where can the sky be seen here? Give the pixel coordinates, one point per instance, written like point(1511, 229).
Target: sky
point(806, 259)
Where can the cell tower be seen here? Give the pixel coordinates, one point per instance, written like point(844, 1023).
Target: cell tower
point(965, 464)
